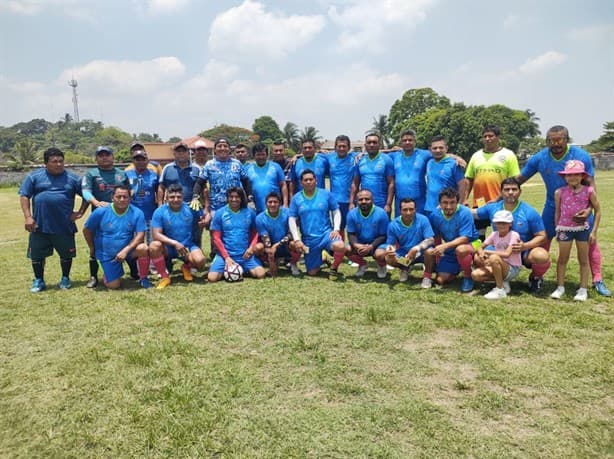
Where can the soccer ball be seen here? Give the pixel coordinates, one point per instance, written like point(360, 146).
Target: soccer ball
point(233, 273)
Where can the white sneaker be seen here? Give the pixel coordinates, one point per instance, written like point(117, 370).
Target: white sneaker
point(361, 271)
point(426, 283)
point(390, 268)
point(381, 272)
point(558, 293)
point(581, 295)
point(496, 294)
point(294, 270)
point(506, 287)
point(403, 276)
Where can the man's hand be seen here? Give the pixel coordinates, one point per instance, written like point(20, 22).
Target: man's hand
point(121, 255)
point(439, 250)
point(30, 224)
point(182, 250)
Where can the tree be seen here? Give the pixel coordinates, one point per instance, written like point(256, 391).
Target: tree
point(23, 153)
point(606, 141)
point(530, 146)
point(174, 139)
point(380, 125)
point(266, 128)
point(310, 133)
point(413, 102)
point(234, 134)
point(291, 136)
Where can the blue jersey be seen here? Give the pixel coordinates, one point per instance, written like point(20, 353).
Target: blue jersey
point(319, 166)
point(264, 180)
point(100, 184)
point(144, 187)
point(176, 225)
point(222, 175)
point(527, 221)
point(368, 228)
point(341, 173)
point(236, 228)
point(461, 223)
point(440, 175)
point(186, 177)
point(374, 174)
point(549, 167)
point(276, 228)
point(113, 232)
point(409, 177)
point(313, 213)
point(53, 200)
point(404, 237)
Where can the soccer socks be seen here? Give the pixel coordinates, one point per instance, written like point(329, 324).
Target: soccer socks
point(142, 264)
point(594, 260)
point(538, 270)
point(465, 263)
point(360, 261)
point(38, 266)
point(160, 265)
point(93, 267)
point(66, 264)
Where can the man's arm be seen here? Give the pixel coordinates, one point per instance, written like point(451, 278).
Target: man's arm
point(284, 193)
point(353, 190)
point(468, 186)
point(390, 195)
point(29, 223)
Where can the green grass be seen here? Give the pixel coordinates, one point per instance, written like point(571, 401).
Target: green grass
point(301, 367)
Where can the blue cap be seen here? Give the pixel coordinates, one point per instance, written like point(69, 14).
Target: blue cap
point(103, 148)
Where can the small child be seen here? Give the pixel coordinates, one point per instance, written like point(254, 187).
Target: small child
point(495, 258)
point(569, 200)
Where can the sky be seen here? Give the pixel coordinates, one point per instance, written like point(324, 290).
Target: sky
point(178, 67)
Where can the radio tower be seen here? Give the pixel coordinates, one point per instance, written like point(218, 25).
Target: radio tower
point(73, 84)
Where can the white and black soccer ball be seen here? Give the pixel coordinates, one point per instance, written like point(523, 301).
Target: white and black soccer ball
point(233, 273)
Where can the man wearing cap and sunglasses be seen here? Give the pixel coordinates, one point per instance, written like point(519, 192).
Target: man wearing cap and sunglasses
point(153, 166)
point(98, 185)
point(144, 182)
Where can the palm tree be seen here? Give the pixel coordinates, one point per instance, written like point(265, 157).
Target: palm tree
point(24, 152)
point(310, 133)
point(291, 135)
point(380, 125)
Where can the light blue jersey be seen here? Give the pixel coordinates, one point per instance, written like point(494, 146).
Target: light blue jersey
point(221, 176)
point(318, 165)
point(236, 228)
point(313, 213)
point(341, 173)
point(405, 237)
point(368, 228)
point(410, 177)
point(527, 222)
point(276, 228)
point(374, 174)
point(144, 188)
point(175, 225)
point(440, 175)
point(264, 180)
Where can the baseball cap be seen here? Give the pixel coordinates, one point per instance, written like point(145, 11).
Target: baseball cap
point(137, 153)
point(503, 216)
point(573, 166)
point(200, 144)
point(104, 148)
point(221, 140)
point(136, 144)
point(179, 145)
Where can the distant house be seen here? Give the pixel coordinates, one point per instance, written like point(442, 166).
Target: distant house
point(163, 152)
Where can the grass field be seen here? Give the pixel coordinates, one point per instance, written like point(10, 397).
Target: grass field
point(302, 367)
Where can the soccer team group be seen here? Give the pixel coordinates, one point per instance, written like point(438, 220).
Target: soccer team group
point(268, 212)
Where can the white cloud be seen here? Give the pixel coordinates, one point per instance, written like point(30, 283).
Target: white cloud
point(249, 31)
point(593, 33)
point(127, 76)
point(364, 24)
point(542, 62)
point(165, 6)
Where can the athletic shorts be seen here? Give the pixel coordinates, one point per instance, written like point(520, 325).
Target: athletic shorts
point(512, 273)
point(171, 252)
point(218, 264)
point(114, 269)
point(568, 236)
point(41, 245)
point(344, 208)
point(313, 259)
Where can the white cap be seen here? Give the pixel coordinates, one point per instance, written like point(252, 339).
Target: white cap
point(503, 216)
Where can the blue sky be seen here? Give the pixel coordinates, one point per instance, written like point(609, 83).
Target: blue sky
point(176, 67)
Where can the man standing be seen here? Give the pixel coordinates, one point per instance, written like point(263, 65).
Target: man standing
point(528, 224)
point(151, 165)
point(311, 160)
point(311, 210)
point(375, 172)
point(144, 183)
point(115, 234)
point(409, 236)
point(486, 170)
point(265, 177)
point(441, 173)
point(242, 153)
point(172, 226)
point(410, 172)
point(549, 162)
point(366, 226)
point(47, 200)
point(278, 155)
point(453, 224)
point(98, 186)
point(200, 154)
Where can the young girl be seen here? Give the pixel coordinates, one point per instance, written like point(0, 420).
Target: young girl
point(569, 200)
point(495, 259)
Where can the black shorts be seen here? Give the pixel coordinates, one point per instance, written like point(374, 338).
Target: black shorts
point(41, 245)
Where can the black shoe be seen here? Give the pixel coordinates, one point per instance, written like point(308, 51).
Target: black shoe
point(93, 282)
point(535, 284)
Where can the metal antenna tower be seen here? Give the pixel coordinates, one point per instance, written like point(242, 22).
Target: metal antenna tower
point(73, 84)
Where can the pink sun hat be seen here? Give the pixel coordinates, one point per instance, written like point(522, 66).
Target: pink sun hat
point(573, 166)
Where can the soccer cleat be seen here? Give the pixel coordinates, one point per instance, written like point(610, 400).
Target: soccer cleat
point(403, 276)
point(581, 295)
point(506, 287)
point(361, 271)
point(333, 274)
point(382, 271)
point(496, 294)
point(558, 293)
point(426, 283)
point(187, 274)
point(145, 283)
point(164, 282)
point(466, 285)
point(93, 282)
point(535, 284)
point(294, 269)
point(38, 285)
point(602, 289)
point(65, 283)
point(352, 263)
